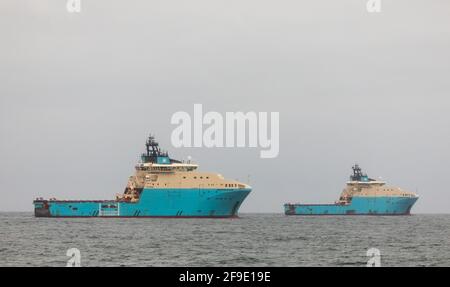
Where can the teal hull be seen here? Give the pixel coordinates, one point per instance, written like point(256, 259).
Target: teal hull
point(358, 206)
point(152, 203)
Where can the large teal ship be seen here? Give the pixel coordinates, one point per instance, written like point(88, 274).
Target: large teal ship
point(362, 196)
point(160, 187)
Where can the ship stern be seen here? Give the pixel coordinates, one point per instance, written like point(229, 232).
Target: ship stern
point(41, 208)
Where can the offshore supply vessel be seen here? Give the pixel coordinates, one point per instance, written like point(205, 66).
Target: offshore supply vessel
point(361, 196)
point(160, 187)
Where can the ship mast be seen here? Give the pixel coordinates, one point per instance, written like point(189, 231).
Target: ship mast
point(358, 175)
point(152, 151)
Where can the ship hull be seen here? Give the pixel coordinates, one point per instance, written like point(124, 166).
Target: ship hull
point(358, 206)
point(167, 203)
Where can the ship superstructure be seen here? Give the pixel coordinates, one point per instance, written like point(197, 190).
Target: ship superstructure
point(160, 187)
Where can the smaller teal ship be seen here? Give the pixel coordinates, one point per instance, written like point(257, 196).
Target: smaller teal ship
point(362, 196)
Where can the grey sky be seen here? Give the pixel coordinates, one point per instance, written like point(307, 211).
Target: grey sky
point(80, 92)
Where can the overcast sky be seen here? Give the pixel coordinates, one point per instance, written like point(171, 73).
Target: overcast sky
point(79, 92)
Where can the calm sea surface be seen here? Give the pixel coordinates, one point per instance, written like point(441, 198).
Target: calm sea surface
point(251, 240)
